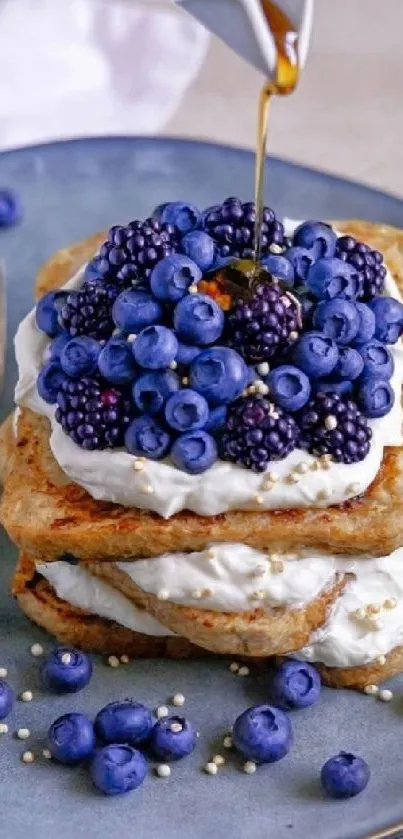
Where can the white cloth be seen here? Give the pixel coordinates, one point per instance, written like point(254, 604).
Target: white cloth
point(91, 67)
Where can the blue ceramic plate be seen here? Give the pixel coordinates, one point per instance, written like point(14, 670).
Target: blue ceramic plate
point(70, 190)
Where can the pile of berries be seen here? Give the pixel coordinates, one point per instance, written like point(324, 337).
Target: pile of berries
point(145, 354)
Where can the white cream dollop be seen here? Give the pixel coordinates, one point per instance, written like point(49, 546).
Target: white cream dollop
point(164, 489)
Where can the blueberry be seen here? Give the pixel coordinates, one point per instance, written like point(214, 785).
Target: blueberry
point(55, 347)
point(295, 684)
point(388, 319)
point(332, 277)
point(155, 347)
point(10, 208)
point(117, 769)
point(199, 247)
point(172, 276)
point(219, 374)
point(116, 363)
point(262, 733)
point(194, 452)
point(344, 775)
point(80, 357)
point(66, 670)
point(47, 312)
point(6, 699)
point(317, 236)
point(186, 410)
point(173, 738)
point(151, 391)
point(93, 270)
point(377, 360)
point(216, 419)
point(134, 310)
point(301, 260)
point(289, 387)
point(280, 267)
point(49, 380)
point(315, 354)
point(375, 397)
point(350, 364)
point(337, 319)
point(198, 319)
point(182, 214)
point(124, 722)
point(366, 328)
point(186, 353)
point(159, 209)
point(145, 437)
point(71, 739)
point(343, 388)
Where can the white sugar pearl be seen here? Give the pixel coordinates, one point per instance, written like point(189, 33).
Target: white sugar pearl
point(3, 673)
point(371, 690)
point(23, 733)
point(163, 770)
point(263, 369)
point(162, 594)
point(178, 699)
point(46, 754)
point(124, 658)
point(249, 767)
point(219, 760)
point(138, 465)
point(36, 650)
point(243, 671)
point(234, 667)
point(113, 661)
point(176, 727)
point(211, 768)
point(227, 742)
point(28, 757)
point(3, 728)
point(27, 696)
point(66, 658)
point(385, 695)
point(162, 711)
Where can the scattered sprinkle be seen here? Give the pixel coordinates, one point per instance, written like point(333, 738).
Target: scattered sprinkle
point(234, 667)
point(385, 695)
point(211, 553)
point(132, 337)
point(23, 733)
point(262, 388)
point(27, 696)
point(293, 336)
point(249, 767)
point(331, 422)
point(277, 566)
point(315, 465)
point(302, 467)
point(211, 768)
point(162, 594)
point(353, 489)
point(173, 365)
point(390, 603)
point(267, 486)
point(243, 671)
point(275, 248)
point(36, 650)
point(251, 389)
point(360, 614)
point(323, 494)
point(258, 595)
point(28, 757)
point(66, 658)
point(227, 742)
point(185, 380)
point(381, 659)
point(113, 661)
point(178, 699)
point(162, 711)
point(197, 594)
point(371, 690)
point(373, 608)
point(138, 465)
point(293, 478)
point(3, 673)
point(46, 754)
point(3, 728)
point(263, 368)
point(163, 770)
point(148, 489)
point(207, 592)
point(124, 658)
point(192, 289)
point(176, 727)
point(273, 477)
point(259, 499)
point(219, 760)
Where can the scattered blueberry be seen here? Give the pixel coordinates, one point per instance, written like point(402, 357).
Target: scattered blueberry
point(171, 278)
point(350, 364)
point(219, 374)
point(199, 247)
point(124, 722)
point(337, 319)
point(186, 410)
point(263, 734)
point(254, 434)
point(198, 319)
point(316, 236)
point(158, 210)
point(66, 670)
point(289, 387)
point(47, 312)
point(173, 738)
point(331, 277)
point(117, 769)
point(6, 699)
point(134, 310)
point(216, 419)
point(388, 319)
point(186, 353)
point(330, 425)
point(71, 739)
point(151, 391)
point(116, 363)
point(296, 684)
point(375, 397)
point(315, 354)
point(264, 325)
point(368, 262)
point(181, 214)
point(80, 356)
point(194, 452)
point(280, 267)
point(145, 437)
point(366, 327)
point(10, 208)
point(344, 775)
point(377, 360)
point(155, 347)
point(301, 260)
point(54, 349)
point(49, 381)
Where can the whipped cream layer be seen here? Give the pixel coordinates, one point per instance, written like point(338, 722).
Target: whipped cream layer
point(110, 475)
point(349, 638)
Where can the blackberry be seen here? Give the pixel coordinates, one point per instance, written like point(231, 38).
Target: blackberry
point(256, 432)
point(232, 226)
point(94, 415)
point(331, 425)
point(130, 253)
point(265, 324)
point(89, 310)
point(368, 262)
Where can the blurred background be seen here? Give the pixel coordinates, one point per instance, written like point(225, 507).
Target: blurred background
point(90, 67)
